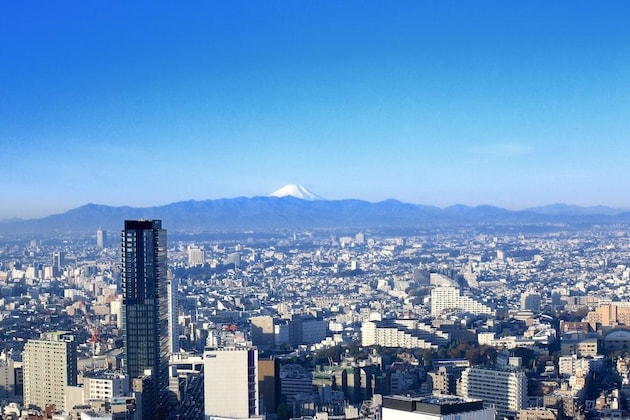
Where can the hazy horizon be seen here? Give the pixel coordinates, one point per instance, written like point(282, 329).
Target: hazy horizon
point(515, 105)
point(323, 198)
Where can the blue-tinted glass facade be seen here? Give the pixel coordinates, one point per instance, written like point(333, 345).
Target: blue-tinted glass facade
point(145, 305)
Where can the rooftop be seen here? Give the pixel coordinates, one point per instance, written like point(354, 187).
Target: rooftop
point(433, 404)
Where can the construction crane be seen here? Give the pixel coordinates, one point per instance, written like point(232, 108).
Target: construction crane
point(93, 332)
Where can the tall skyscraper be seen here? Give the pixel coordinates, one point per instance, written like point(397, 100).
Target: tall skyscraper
point(231, 382)
point(145, 305)
point(101, 238)
point(50, 365)
point(59, 262)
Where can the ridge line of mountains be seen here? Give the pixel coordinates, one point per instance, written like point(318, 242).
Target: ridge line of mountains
point(288, 212)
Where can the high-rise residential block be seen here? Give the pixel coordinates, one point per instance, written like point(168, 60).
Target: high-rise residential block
point(50, 365)
point(145, 306)
point(449, 298)
point(503, 389)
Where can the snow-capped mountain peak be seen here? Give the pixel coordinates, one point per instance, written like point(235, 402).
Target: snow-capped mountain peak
point(296, 191)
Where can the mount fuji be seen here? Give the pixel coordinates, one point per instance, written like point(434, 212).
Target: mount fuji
point(295, 207)
point(296, 191)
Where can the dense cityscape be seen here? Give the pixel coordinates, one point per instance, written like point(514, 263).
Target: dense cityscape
point(466, 255)
point(524, 321)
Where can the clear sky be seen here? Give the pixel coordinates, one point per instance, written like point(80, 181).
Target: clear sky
point(507, 103)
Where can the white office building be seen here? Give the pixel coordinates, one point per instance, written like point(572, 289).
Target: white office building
point(104, 386)
point(231, 383)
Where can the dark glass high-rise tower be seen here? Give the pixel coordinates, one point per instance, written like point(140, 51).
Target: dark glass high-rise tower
point(145, 306)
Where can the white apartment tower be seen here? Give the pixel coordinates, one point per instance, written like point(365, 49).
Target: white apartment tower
point(231, 383)
point(503, 389)
point(50, 365)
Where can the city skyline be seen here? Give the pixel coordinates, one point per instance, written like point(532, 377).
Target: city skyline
point(514, 105)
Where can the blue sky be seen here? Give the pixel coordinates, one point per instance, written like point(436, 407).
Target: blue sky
point(514, 104)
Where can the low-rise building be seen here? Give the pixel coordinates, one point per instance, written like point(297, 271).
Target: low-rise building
point(400, 407)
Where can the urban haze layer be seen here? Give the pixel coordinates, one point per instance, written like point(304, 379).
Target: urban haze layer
point(519, 320)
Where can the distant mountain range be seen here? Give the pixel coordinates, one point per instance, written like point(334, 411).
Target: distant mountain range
point(307, 212)
point(565, 209)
